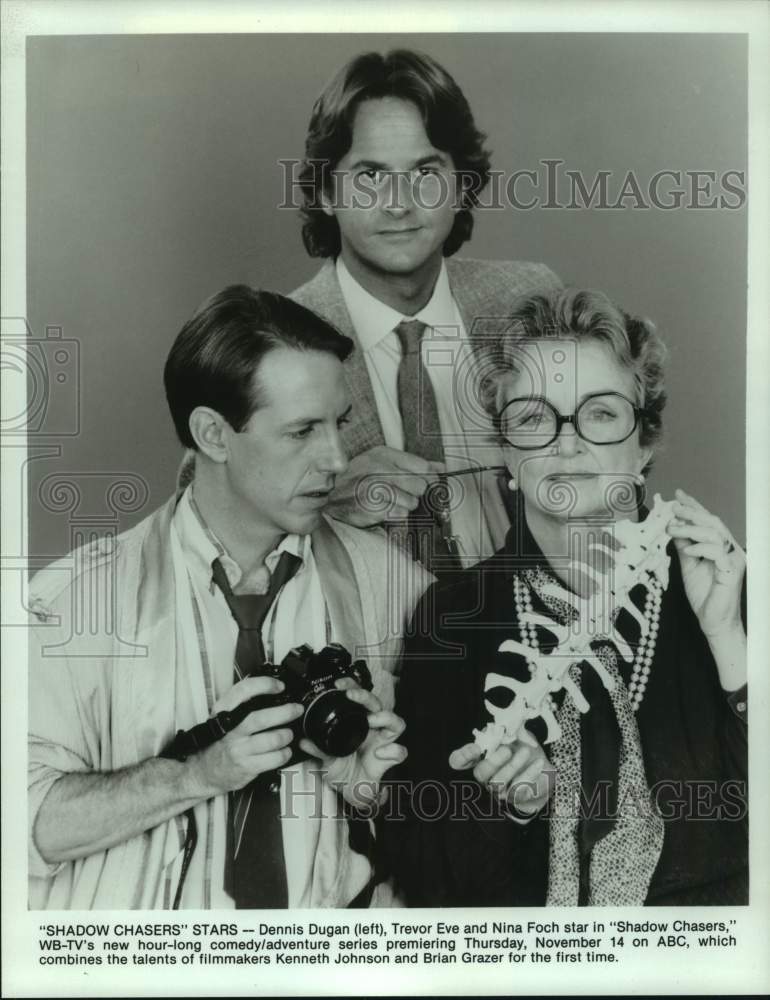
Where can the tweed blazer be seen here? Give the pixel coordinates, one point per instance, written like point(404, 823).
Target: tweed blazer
point(484, 290)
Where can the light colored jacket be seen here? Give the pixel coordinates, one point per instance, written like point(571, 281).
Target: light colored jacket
point(116, 670)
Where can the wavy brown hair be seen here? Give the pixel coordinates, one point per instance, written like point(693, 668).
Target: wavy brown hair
point(409, 76)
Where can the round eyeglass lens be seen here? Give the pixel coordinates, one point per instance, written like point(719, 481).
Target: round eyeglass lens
point(605, 419)
point(528, 423)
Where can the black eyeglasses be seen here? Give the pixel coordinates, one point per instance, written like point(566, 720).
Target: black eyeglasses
point(531, 422)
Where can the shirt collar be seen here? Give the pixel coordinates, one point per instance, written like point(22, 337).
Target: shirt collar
point(202, 547)
point(439, 310)
point(373, 320)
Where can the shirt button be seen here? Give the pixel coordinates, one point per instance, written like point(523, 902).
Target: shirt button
point(741, 706)
point(274, 787)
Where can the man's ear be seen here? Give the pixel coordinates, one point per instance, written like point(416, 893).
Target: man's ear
point(208, 429)
point(326, 197)
point(326, 203)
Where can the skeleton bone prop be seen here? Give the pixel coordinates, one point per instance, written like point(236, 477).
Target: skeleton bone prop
point(640, 558)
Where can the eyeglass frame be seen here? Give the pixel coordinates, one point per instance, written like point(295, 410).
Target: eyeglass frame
point(561, 420)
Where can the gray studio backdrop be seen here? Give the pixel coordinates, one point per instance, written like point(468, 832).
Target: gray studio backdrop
point(153, 182)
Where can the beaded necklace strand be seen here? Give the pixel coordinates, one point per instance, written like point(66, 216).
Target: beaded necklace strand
point(645, 650)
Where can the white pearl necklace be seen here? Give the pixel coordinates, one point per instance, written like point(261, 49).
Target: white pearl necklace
point(645, 651)
point(522, 597)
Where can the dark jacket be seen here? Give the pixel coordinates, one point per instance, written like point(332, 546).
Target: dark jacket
point(450, 850)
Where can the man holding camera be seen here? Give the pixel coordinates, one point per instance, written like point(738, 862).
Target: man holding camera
point(143, 636)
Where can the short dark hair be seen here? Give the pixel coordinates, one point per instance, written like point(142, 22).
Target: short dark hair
point(409, 76)
point(217, 353)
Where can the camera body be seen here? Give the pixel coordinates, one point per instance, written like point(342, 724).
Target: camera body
point(337, 725)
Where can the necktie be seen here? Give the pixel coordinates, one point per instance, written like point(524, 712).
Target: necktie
point(255, 873)
point(422, 436)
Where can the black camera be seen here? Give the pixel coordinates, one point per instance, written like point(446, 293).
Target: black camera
point(336, 725)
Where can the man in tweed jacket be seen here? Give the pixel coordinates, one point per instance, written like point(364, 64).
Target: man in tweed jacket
point(393, 167)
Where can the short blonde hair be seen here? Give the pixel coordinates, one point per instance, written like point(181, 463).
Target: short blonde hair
point(583, 315)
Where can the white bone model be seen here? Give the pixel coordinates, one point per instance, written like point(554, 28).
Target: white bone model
point(640, 557)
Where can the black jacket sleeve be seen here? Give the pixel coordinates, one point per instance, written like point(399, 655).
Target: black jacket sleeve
point(445, 840)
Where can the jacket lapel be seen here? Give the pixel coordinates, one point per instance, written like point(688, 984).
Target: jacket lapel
point(323, 295)
point(484, 304)
point(463, 293)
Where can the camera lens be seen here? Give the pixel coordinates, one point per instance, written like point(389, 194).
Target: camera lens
point(337, 725)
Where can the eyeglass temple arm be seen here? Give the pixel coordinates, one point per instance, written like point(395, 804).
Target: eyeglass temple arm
point(471, 470)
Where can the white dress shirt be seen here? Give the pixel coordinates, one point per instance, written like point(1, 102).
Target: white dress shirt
point(298, 615)
point(449, 361)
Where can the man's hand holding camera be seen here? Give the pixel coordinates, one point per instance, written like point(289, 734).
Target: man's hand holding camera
point(357, 776)
point(259, 743)
point(85, 812)
point(262, 742)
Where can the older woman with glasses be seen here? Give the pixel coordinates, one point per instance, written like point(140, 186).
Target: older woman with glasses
point(575, 706)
